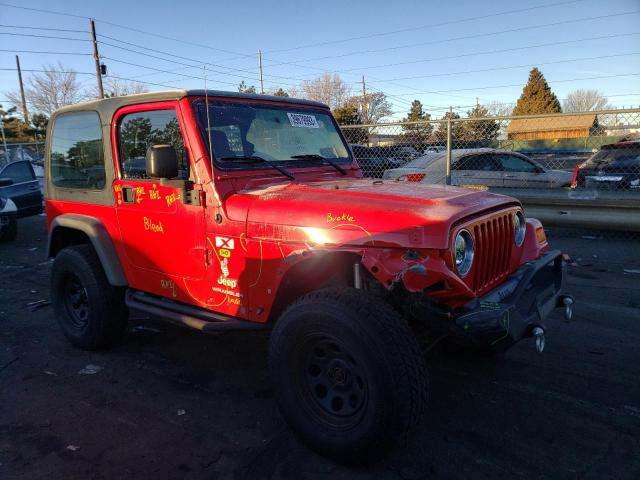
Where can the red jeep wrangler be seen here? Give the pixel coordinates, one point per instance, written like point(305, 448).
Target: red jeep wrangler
point(227, 211)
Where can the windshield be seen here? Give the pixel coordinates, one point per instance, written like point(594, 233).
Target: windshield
point(295, 135)
point(615, 157)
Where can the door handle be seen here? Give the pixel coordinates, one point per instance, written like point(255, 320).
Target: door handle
point(128, 195)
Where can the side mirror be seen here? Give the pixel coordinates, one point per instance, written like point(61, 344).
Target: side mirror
point(162, 161)
point(5, 182)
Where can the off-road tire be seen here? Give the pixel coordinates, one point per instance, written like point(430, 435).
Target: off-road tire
point(361, 352)
point(91, 312)
point(11, 232)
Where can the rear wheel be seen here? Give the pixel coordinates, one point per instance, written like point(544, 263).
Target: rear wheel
point(348, 374)
point(91, 312)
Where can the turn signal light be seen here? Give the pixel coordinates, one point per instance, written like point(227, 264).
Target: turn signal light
point(540, 235)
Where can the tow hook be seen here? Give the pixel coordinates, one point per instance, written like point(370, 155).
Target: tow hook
point(568, 307)
point(540, 339)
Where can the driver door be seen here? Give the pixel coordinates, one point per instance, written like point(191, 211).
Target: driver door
point(163, 238)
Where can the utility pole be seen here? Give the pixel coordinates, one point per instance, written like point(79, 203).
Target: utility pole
point(96, 58)
point(447, 164)
point(4, 143)
point(25, 112)
point(260, 68)
point(365, 107)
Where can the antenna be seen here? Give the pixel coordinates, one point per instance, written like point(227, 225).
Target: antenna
point(206, 106)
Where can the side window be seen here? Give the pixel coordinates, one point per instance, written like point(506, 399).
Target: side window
point(476, 162)
point(19, 172)
point(512, 163)
point(77, 156)
point(138, 131)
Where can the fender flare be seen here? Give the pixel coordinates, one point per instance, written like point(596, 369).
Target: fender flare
point(99, 237)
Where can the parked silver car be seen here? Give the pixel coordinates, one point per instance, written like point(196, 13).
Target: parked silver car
point(481, 166)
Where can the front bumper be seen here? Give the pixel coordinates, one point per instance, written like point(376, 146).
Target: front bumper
point(511, 311)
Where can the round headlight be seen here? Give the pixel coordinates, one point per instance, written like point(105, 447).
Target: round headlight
point(520, 227)
point(463, 252)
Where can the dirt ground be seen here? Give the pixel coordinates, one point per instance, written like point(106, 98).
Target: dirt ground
point(172, 403)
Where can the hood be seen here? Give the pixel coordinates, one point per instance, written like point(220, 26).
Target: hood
point(360, 212)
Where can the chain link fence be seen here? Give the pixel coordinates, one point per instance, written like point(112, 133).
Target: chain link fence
point(576, 170)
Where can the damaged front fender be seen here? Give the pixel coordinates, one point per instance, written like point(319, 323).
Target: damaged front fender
point(416, 271)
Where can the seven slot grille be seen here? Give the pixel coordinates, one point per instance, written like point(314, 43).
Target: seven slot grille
point(494, 242)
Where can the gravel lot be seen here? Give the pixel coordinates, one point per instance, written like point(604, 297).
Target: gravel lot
point(172, 403)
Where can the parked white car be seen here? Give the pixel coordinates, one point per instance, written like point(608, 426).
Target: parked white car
point(483, 167)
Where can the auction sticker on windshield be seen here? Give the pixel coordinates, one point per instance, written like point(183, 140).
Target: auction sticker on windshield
point(303, 120)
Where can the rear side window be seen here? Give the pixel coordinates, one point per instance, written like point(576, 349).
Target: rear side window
point(512, 163)
point(138, 131)
point(19, 172)
point(77, 156)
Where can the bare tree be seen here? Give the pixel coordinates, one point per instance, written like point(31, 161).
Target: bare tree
point(327, 88)
point(378, 106)
point(499, 109)
point(116, 87)
point(583, 100)
point(55, 87)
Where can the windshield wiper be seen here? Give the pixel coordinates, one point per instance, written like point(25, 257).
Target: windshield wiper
point(326, 161)
point(256, 159)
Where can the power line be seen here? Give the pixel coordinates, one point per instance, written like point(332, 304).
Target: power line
point(45, 71)
point(53, 12)
point(518, 84)
point(43, 52)
point(198, 63)
point(36, 70)
point(463, 37)
point(163, 71)
point(472, 54)
point(173, 39)
point(509, 67)
point(44, 28)
point(44, 36)
point(421, 27)
point(485, 52)
point(41, 10)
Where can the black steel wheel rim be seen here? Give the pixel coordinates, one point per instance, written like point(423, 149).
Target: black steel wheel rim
point(76, 302)
point(332, 382)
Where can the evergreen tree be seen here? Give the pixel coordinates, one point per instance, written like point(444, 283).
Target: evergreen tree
point(348, 115)
point(418, 132)
point(457, 129)
point(243, 88)
point(478, 130)
point(15, 129)
point(537, 96)
point(280, 93)
point(39, 122)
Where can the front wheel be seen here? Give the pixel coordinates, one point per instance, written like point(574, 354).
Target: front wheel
point(348, 374)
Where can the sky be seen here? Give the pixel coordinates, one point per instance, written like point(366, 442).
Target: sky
point(444, 53)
